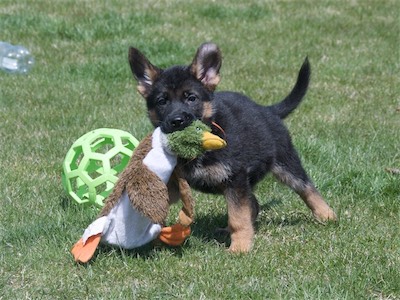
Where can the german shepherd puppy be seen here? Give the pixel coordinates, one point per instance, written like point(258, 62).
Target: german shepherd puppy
point(257, 140)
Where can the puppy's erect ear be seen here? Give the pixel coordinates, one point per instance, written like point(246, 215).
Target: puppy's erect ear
point(206, 64)
point(143, 71)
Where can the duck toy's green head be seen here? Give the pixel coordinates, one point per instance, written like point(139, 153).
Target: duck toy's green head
point(194, 140)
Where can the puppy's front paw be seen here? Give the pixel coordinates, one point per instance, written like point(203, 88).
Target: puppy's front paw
point(241, 241)
point(241, 246)
point(184, 218)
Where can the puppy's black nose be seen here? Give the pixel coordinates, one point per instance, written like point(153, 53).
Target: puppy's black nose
point(177, 123)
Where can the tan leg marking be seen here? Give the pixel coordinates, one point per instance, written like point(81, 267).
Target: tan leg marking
point(240, 226)
point(186, 215)
point(178, 187)
point(320, 209)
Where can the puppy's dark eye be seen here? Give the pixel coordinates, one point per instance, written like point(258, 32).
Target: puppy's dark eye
point(190, 97)
point(161, 100)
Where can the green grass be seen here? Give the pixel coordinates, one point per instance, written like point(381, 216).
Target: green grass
point(347, 131)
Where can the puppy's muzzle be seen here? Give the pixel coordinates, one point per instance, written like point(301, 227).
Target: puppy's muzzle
point(177, 122)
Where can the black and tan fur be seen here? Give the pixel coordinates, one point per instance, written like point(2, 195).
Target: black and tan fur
point(258, 142)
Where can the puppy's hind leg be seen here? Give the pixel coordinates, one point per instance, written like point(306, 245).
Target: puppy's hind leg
point(290, 172)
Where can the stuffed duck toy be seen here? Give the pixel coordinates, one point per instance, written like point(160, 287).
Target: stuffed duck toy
point(137, 208)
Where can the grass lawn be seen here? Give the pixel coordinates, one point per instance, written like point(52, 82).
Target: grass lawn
point(347, 131)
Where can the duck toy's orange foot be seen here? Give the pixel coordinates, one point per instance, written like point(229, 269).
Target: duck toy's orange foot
point(83, 252)
point(174, 235)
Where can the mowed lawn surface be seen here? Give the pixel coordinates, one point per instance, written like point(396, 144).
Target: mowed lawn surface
point(346, 131)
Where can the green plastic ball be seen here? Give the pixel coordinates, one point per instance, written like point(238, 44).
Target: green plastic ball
point(93, 163)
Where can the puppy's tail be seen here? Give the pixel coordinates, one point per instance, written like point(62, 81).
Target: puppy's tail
point(287, 105)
